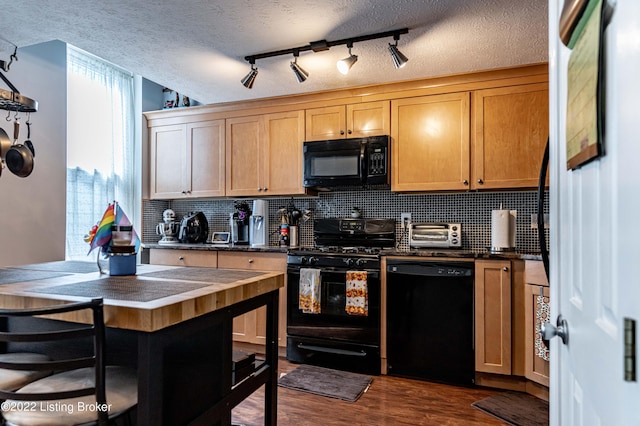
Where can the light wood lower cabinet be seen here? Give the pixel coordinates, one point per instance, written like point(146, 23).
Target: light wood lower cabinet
point(178, 257)
point(536, 285)
point(493, 316)
point(250, 327)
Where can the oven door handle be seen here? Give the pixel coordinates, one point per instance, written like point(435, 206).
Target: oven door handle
point(362, 353)
point(370, 274)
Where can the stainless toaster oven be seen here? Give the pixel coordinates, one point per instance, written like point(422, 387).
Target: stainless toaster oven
point(435, 235)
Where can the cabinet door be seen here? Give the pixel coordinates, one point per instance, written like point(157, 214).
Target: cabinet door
point(243, 155)
point(493, 316)
point(206, 169)
point(251, 327)
point(368, 119)
point(511, 127)
point(282, 158)
point(535, 367)
point(430, 143)
point(168, 162)
point(325, 123)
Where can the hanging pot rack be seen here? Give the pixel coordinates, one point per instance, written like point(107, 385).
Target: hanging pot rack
point(12, 100)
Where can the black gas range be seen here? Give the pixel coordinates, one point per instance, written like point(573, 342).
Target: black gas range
point(331, 335)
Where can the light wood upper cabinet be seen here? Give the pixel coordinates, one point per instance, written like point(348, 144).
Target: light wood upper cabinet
point(243, 156)
point(430, 143)
point(187, 160)
point(282, 157)
point(348, 121)
point(168, 165)
point(493, 316)
point(510, 130)
point(264, 154)
point(206, 151)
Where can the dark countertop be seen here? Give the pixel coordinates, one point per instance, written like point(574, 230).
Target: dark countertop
point(467, 254)
point(215, 247)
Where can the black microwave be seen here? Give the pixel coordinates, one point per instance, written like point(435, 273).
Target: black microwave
point(345, 163)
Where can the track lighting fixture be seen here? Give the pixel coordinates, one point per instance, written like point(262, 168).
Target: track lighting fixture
point(248, 79)
point(344, 65)
point(298, 71)
point(399, 60)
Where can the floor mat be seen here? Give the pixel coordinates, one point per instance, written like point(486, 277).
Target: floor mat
point(326, 382)
point(516, 408)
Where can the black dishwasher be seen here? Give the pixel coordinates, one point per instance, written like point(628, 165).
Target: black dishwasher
point(430, 320)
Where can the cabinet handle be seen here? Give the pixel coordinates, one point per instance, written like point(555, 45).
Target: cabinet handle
point(349, 132)
point(180, 257)
point(466, 182)
point(480, 181)
point(505, 269)
point(265, 188)
point(259, 189)
point(342, 132)
point(250, 260)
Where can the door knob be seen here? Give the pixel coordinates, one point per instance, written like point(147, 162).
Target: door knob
point(561, 330)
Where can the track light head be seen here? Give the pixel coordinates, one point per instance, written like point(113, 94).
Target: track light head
point(344, 65)
point(248, 79)
point(298, 71)
point(399, 60)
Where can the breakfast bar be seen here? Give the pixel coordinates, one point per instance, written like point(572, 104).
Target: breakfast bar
point(177, 321)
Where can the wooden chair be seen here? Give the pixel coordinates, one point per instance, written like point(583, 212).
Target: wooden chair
point(82, 390)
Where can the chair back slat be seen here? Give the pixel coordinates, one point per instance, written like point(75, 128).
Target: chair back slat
point(96, 360)
point(56, 365)
point(48, 396)
point(42, 336)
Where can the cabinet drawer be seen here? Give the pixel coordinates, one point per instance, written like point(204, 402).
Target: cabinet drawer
point(257, 260)
point(534, 273)
point(178, 257)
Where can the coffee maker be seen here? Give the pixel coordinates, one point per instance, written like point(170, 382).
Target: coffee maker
point(259, 224)
point(239, 230)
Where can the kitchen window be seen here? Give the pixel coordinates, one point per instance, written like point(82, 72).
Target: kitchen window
point(100, 145)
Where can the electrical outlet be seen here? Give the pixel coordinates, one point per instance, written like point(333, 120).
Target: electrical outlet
point(405, 220)
point(534, 221)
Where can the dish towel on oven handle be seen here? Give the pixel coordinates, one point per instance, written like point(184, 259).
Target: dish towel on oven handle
point(309, 291)
point(357, 293)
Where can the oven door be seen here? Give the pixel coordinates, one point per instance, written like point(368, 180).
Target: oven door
point(333, 322)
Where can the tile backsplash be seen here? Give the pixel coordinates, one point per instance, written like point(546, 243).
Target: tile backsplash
point(471, 209)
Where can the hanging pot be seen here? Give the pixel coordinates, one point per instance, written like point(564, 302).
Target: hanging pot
point(19, 159)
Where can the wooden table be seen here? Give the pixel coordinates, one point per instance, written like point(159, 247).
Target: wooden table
point(180, 320)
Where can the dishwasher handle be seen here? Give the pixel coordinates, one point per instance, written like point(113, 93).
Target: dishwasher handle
point(431, 269)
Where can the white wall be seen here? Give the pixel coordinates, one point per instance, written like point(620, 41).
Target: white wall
point(32, 209)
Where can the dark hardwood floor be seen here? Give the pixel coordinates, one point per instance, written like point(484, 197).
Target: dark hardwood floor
point(389, 401)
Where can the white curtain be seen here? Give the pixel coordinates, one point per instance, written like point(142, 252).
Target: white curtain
point(100, 145)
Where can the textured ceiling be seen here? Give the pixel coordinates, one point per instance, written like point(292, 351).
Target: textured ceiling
point(196, 47)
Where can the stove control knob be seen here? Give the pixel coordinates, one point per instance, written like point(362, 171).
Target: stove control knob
point(349, 261)
point(303, 260)
point(313, 260)
point(361, 262)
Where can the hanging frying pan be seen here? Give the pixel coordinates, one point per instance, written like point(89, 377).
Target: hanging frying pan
point(5, 145)
point(19, 159)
